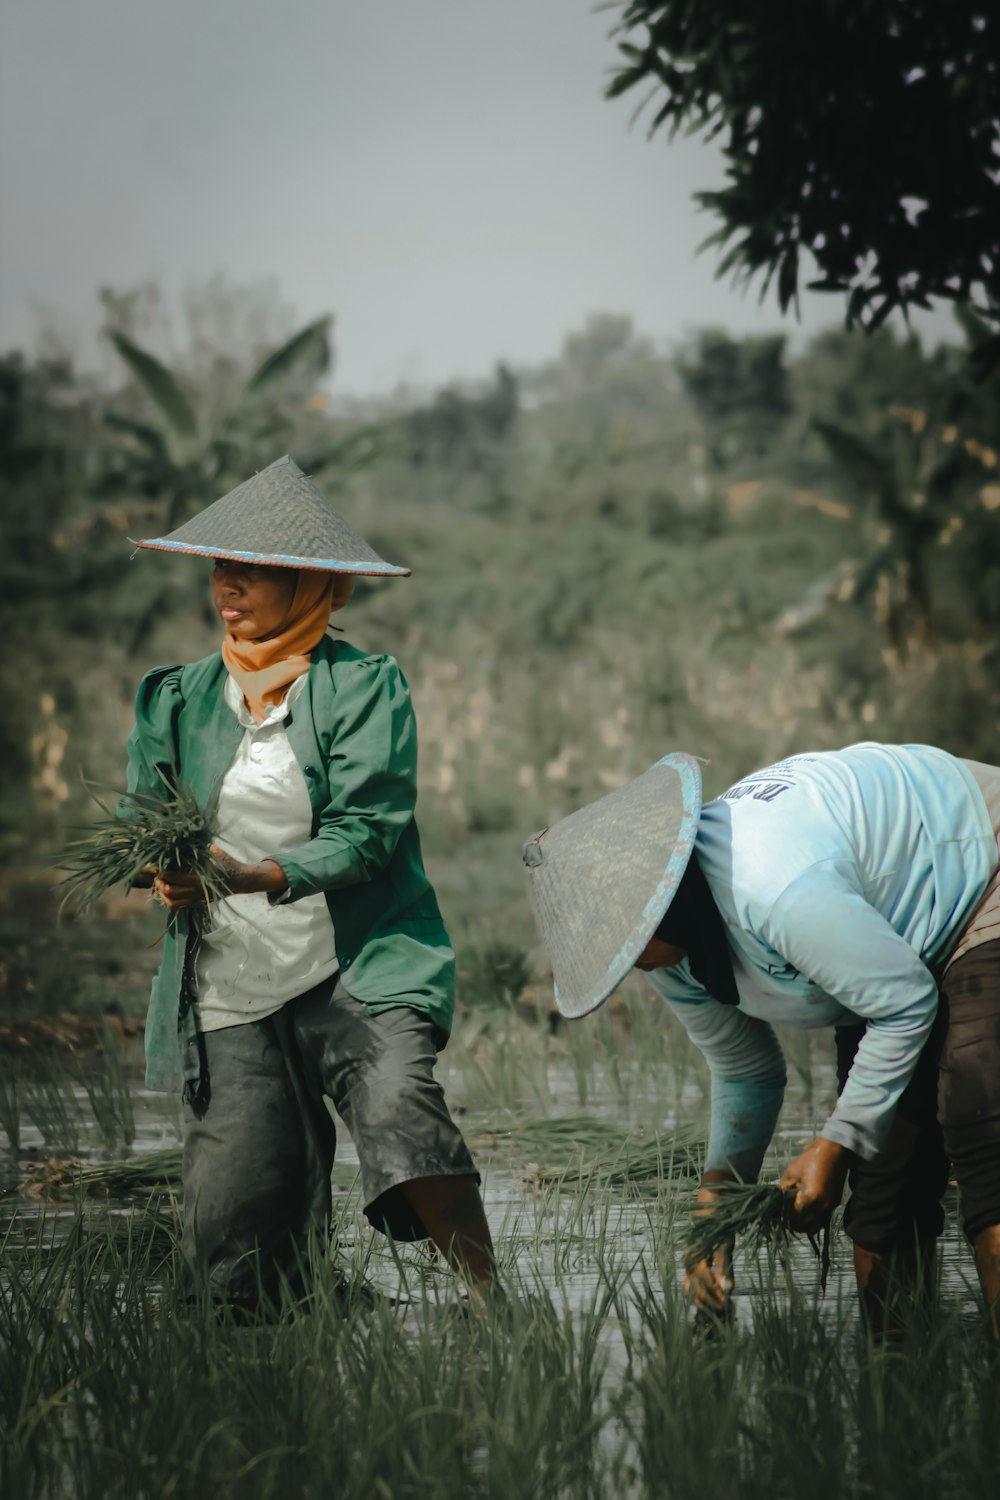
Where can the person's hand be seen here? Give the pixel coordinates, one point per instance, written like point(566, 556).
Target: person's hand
point(178, 889)
point(709, 1283)
point(817, 1178)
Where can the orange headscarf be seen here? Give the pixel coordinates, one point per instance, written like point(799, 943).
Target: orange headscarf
point(266, 669)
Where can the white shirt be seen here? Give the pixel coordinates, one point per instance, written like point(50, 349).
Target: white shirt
point(256, 956)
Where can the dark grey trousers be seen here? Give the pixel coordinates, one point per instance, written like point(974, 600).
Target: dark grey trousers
point(257, 1159)
point(948, 1118)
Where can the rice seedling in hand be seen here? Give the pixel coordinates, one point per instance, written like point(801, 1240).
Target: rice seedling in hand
point(756, 1212)
point(167, 830)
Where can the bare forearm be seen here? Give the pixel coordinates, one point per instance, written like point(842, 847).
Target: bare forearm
point(267, 877)
point(178, 889)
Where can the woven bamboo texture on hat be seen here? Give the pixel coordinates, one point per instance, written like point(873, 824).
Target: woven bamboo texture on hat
point(600, 880)
point(281, 518)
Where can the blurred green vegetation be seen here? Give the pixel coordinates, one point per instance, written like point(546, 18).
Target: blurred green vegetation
point(723, 547)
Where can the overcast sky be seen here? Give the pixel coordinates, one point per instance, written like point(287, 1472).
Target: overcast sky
point(443, 175)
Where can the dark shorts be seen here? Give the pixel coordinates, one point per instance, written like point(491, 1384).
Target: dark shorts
point(948, 1119)
point(257, 1158)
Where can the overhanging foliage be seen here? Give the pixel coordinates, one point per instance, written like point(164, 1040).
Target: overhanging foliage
point(865, 137)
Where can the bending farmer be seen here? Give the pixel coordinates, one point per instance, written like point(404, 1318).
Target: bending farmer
point(328, 970)
point(854, 888)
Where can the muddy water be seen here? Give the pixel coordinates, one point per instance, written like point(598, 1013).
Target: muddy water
point(568, 1243)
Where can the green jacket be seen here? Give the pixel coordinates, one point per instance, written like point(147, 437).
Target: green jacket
point(353, 732)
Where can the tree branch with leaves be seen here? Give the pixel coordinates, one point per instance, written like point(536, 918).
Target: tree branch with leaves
point(861, 139)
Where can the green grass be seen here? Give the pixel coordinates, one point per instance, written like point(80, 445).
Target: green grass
point(579, 1152)
point(585, 1382)
point(114, 1385)
point(573, 1151)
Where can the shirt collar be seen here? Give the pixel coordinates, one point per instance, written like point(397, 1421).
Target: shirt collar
point(277, 712)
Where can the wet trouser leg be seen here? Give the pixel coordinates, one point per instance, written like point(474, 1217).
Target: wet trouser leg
point(418, 1177)
point(894, 1213)
point(256, 1172)
point(257, 1158)
point(949, 1112)
point(895, 1200)
point(969, 1104)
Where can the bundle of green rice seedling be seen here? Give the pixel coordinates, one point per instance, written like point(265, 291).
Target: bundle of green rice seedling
point(136, 1177)
point(573, 1150)
point(638, 1164)
point(755, 1212)
point(644, 1162)
point(758, 1214)
point(562, 1140)
point(167, 830)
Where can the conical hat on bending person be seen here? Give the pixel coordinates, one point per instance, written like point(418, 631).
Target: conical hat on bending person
point(280, 518)
point(600, 880)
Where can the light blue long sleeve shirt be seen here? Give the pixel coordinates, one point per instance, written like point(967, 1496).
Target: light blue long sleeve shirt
point(843, 878)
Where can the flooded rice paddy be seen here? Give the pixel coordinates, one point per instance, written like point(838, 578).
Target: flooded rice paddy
point(585, 1379)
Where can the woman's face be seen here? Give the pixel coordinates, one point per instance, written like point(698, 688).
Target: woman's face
point(252, 600)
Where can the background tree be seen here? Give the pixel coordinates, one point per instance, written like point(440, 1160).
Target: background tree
point(462, 428)
point(739, 387)
point(911, 484)
point(186, 462)
point(619, 599)
point(861, 137)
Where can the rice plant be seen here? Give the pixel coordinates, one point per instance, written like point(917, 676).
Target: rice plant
point(165, 830)
point(574, 1151)
point(107, 1088)
point(494, 969)
point(10, 1105)
point(562, 1140)
point(757, 1213)
point(50, 1102)
point(119, 1378)
point(584, 1383)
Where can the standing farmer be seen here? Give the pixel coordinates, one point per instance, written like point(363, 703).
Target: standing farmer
point(854, 888)
point(328, 969)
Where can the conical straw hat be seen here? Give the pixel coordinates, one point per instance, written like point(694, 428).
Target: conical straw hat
point(600, 880)
point(280, 518)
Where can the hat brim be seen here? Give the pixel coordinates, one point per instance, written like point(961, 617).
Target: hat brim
point(278, 560)
point(279, 519)
point(592, 937)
